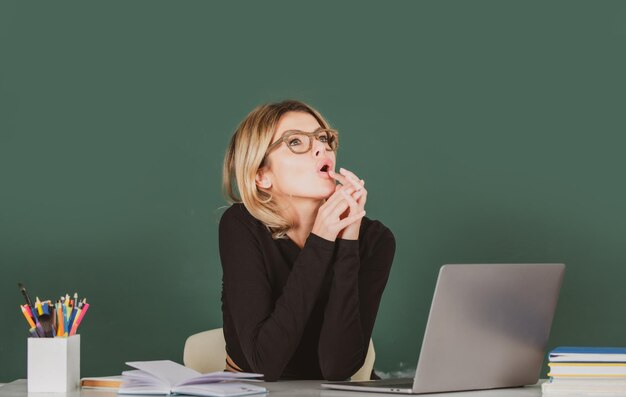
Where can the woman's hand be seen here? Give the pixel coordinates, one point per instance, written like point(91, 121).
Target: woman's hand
point(356, 195)
point(338, 213)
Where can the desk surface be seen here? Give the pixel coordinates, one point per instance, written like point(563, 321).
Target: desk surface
point(304, 388)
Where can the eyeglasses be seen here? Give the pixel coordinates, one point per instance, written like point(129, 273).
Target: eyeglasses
point(300, 142)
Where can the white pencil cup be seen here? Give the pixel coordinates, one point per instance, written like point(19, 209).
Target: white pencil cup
point(54, 364)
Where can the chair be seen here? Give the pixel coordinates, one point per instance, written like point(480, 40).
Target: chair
point(206, 352)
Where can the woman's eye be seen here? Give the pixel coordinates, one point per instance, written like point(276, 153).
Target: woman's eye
point(294, 142)
point(323, 138)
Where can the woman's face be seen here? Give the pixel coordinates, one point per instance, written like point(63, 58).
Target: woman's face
point(292, 175)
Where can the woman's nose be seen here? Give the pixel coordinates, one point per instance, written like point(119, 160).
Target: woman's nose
point(318, 147)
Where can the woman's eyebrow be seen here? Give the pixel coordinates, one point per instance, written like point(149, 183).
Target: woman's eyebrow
point(292, 130)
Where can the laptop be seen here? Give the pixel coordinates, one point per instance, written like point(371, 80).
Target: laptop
point(488, 328)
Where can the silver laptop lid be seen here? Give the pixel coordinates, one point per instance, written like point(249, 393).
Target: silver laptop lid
point(488, 326)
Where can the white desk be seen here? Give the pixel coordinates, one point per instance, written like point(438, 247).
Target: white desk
point(302, 388)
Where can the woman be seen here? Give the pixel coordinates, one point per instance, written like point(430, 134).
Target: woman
point(303, 268)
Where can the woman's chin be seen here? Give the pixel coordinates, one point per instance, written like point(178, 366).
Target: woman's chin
point(329, 192)
point(320, 192)
point(322, 195)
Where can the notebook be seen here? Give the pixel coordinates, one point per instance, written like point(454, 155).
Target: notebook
point(488, 328)
point(168, 377)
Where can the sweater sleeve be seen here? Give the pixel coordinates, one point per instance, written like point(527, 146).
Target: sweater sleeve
point(268, 332)
point(355, 294)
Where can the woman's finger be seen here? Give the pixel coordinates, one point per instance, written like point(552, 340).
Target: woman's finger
point(348, 173)
point(347, 180)
point(347, 202)
point(358, 195)
point(334, 214)
point(342, 179)
point(335, 196)
point(350, 220)
point(338, 203)
point(355, 180)
point(354, 206)
point(362, 197)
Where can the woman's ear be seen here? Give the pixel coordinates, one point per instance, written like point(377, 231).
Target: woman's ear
point(262, 179)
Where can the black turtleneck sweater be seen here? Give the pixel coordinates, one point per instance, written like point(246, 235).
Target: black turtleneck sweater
point(300, 313)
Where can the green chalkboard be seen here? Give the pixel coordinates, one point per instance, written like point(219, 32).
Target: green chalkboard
point(486, 131)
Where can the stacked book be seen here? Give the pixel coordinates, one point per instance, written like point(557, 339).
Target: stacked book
point(586, 371)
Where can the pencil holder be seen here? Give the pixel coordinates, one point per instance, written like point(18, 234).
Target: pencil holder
point(54, 364)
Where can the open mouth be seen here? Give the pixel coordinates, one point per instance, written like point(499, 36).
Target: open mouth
point(324, 168)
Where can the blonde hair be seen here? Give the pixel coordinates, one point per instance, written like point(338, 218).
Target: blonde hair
point(245, 155)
